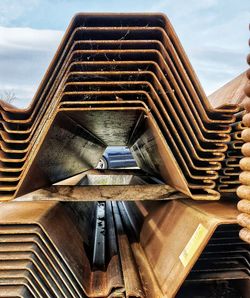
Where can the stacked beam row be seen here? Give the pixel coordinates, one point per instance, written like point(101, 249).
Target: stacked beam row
point(42, 254)
point(131, 65)
point(244, 190)
point(230, 172)
point(117, 249)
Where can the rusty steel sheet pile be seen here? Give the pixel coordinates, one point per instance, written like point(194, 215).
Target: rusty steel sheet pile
point(124, 80)
point(230, 172)
point(243, 191)
point(232, 92)
point(117, 249)
point(117, 79)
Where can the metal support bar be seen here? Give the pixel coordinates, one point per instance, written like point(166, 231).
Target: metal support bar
point(104, 193)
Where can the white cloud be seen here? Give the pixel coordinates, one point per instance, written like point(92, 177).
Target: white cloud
point(28, 39)
point(214, 34)
point(25, 54)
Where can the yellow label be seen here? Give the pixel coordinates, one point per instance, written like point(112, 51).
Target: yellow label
point(193, 244)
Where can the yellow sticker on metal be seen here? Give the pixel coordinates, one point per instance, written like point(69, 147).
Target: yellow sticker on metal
point(193, 244)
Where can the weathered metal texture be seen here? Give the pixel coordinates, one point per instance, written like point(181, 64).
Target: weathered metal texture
point(117, 249)
point(41, 249)
point(104, 193)
point(232, 92)
point(40, 269)
point(230, 171)
point(144, 50)
point(93, 103)
point(225, 257)
point(207, 237)
point(17, 277)
point(19, 290)
point(65, 270)
point(243, 191)
point(157, 141)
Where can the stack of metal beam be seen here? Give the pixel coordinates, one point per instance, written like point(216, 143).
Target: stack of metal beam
point(230, 172)
point(117, 249)
point(244, 190)
point(42, 250)
point(232, 92)
point(116, 79)
point(208, 246)
point(225, 257)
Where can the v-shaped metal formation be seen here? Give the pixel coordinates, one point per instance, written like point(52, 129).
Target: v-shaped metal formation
point(116, 79)
point(121, 79)
point(117, 249)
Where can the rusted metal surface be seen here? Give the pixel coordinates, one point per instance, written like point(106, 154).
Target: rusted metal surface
point(231, 92)
point(60, 264)
point(45, 223)
point(122, 79)
point(103, 193)
point(117, 249)
point(152, 127)
point(15, 291)
point(142, 64)
point(230, 171)
point(106, 185)
point(243, 191)
point(215, 223)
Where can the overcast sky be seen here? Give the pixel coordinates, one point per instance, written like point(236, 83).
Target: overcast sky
point(214, 34)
